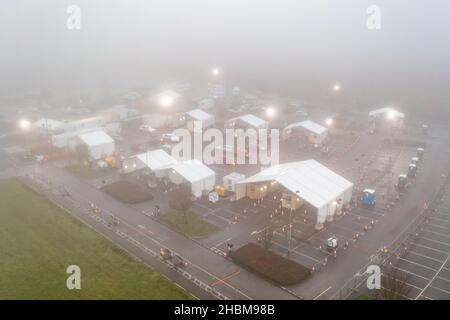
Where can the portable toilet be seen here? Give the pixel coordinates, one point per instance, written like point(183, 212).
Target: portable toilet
point(402, 181)
point(368, 197)
point(420, 152)
point(415, 160)
point(412, 170)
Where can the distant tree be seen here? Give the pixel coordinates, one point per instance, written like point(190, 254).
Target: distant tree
point(267, 237)
point(82, 153)
point(181, 200)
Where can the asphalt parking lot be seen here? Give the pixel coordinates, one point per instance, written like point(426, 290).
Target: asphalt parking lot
point(244, 220)
point(424, 262)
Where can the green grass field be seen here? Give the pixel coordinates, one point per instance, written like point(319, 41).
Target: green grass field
point(193, 225)
point(38, 241)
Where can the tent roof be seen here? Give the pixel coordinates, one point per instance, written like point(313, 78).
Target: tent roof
point(156, 159)
point(95, 138)
point(250, 119)
point(308, 125)
point(198, 114)
point(377, 112)
point(309, 179)
point(192, 170)
point(49, 124)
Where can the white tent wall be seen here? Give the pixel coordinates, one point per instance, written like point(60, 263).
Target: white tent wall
point(197, 187)
point(99, 151)
point(327, 212)
point(200, 186)
point(240, 191)
point(321, 137)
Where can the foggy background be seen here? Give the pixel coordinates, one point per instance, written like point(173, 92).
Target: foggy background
point(293, 47)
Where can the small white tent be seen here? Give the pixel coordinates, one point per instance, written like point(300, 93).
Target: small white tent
point(207, 120)
point(99, 144)
point(315, 133)
point(201, 178)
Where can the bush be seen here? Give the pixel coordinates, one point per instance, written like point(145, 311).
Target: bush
point(127, 192)
point(270, 265)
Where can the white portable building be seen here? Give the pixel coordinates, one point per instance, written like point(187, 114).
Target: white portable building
point(99, 144)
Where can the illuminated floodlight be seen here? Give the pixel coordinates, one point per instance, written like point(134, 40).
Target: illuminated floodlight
point(24, 124)
point(270, 112)
point(215, 72)
point(336, 88)
point(166, 101)
point(329, 121)
point(391, 115)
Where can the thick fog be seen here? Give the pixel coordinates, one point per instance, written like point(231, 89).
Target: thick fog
point(283, 46)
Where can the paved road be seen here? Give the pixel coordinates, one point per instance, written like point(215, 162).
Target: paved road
point(212, 269)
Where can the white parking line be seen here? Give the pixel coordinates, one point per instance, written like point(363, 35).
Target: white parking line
point(437, 233)
point(424, 256)
point(414, 274)
point(429, 248)
point(417, 264)
point(440, 242)
point(438, 226)
point(440, 289)
point(220, 243)
point(440, 269)
point(322, 293)
point(439, 219)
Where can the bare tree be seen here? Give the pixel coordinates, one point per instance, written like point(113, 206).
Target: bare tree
point(267, 236)
point(393, 285)
point(181, 200)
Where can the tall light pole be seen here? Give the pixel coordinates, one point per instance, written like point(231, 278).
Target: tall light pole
point(24, 126)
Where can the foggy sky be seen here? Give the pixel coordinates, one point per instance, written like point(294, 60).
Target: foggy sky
point(301, 47)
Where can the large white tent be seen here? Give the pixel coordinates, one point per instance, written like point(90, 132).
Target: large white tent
point(99, 144)
point(311, 181)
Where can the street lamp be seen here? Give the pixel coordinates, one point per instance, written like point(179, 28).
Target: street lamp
point(271, 112)
point(166, 101)
point(215, 72)
point(391, 115)
point(336, 88)
point(24, 124)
